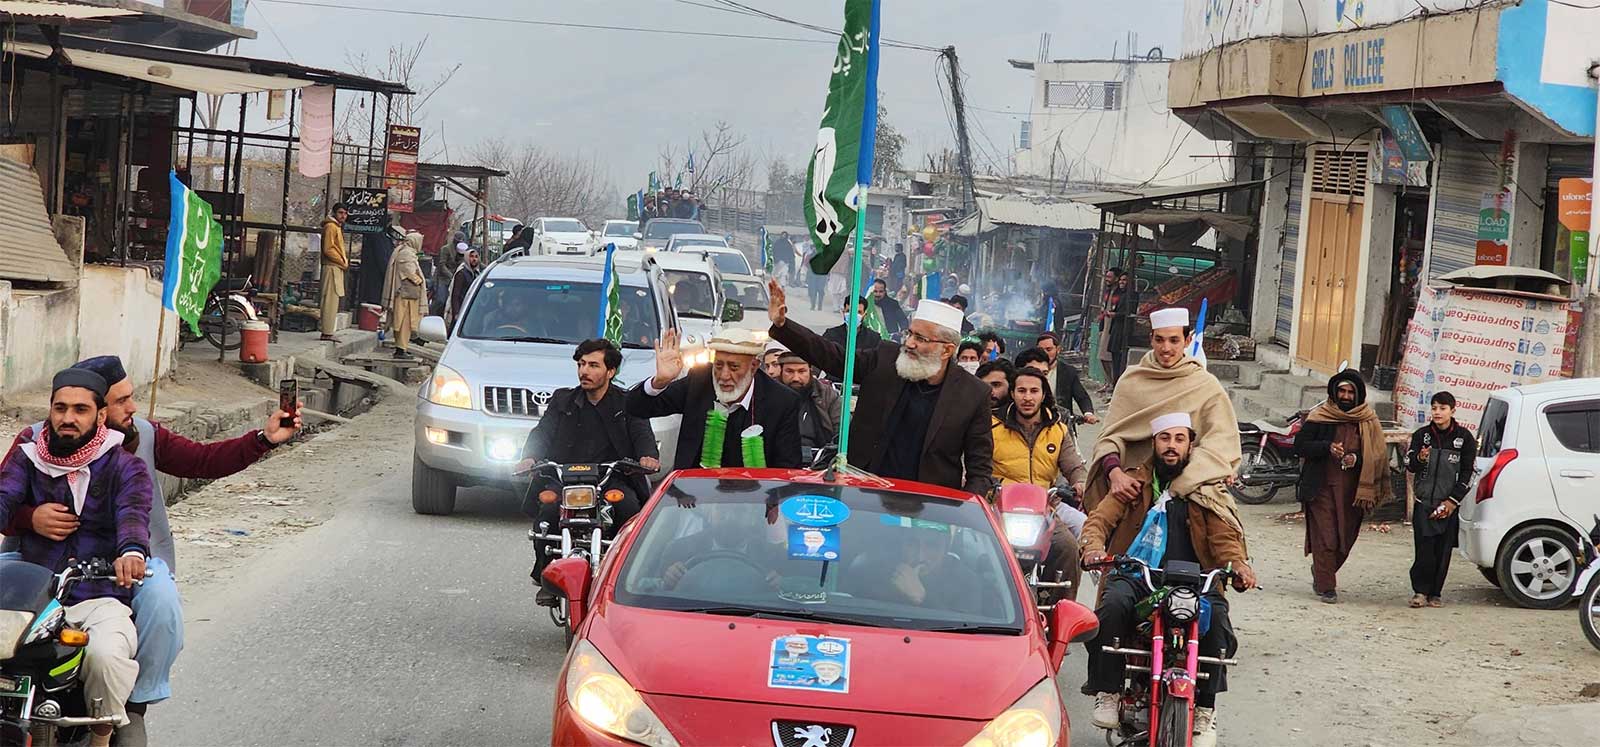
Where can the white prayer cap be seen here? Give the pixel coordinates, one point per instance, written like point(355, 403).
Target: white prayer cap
point(1177, 316)
point(736, 340)
point(773, 346)
point(1171, 420)
point(940, 314)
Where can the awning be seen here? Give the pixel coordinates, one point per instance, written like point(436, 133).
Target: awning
point(1228, 224)
point(28, 248)
point(1110, 199)
point(994, 212)
point(209, 80)
point(50, 11)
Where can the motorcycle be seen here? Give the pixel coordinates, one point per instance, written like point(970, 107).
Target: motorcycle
point(1029, 522)
point(1587, 590)
point(41, 656)
point(1268, 464)
point(230, 305)
point(1157, 707)
point(587, 493)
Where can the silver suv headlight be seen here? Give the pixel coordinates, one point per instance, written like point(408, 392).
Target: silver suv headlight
point(449, 388)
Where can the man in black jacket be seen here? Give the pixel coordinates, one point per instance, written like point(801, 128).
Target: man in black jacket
point(866, 339)
point(734, 386)
point(1440, 459)
point(1068, 384)
point(588, 424)
point(923, 417)
point(894, 317)
point(821, 405)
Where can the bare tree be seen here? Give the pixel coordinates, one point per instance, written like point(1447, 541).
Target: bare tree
point(401, 64)
point(719, 169)
point(544, 183)
point(887, 150)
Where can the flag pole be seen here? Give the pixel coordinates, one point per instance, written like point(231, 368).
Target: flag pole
point(854, 325)
point(161, 334)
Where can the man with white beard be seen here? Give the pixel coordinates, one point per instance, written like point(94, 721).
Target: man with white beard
point(919, 415)
point(731, 394)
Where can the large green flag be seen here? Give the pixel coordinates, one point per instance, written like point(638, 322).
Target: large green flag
point(843, 152)
point(194, 254)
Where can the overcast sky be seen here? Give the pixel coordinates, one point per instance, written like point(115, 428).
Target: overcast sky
point(619, 96)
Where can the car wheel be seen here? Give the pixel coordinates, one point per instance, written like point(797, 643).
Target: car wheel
point(433, 491)
point(1537, 567)
point(1490, 576)
point(1589, 613)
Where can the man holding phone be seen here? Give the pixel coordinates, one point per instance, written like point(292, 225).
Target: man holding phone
point(156, 607)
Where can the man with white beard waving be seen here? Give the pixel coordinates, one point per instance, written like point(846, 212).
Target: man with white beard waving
point(721, 402)
point(919, 415)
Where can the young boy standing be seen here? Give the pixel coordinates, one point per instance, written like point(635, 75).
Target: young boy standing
point(1440, 460)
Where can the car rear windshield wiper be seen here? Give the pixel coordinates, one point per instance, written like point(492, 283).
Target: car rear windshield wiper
point(529, 338)
point(976, 629)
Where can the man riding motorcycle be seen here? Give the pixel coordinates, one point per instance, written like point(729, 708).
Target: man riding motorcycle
point(1195, 531)
point(583, 425)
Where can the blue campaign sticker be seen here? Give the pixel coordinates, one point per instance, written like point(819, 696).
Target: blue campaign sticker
point(810, 662)
point(813, 543)
point(814, 510)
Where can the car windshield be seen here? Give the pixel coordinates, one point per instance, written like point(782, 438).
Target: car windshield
point(620, 229)
point(732, 263)
point(749, 294)
point(554, 312)
point(893, 559)
point(691, 293)
point(661, 229)
point(564, 226)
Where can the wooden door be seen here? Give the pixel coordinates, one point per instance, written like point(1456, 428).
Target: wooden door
point(1330, 274)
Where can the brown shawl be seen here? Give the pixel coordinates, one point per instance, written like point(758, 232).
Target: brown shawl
point(1147, 391)
point(402, 267)
point(1374, 486)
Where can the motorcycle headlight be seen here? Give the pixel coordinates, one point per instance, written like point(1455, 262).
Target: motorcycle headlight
point(47, 625)
point(449, 388)
point(1183, 605)
point(1022, 530)
point(599, 696)
point(1033, 721)
point(578, 496)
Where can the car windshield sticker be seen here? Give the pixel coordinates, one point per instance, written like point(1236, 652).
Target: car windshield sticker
point(910, 523)
point(804, 597)
point(810, 662)
point(813, 543)
point(815, 510)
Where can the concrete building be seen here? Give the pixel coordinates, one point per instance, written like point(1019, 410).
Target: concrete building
point(1399, 141)
point(1106, 122)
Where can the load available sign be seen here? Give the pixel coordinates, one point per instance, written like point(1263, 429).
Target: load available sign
point(1494, 228)
point(1471, 343)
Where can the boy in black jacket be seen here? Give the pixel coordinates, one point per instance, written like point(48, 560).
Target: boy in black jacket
point(1440, 459)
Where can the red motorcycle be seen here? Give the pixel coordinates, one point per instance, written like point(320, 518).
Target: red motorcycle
point(1268, 464)
point(1157, 705)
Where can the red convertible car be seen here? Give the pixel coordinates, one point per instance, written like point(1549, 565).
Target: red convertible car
point(757, 607)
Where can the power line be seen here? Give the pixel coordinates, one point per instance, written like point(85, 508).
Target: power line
point(555, 24)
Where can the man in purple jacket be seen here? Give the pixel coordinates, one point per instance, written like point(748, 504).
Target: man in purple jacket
point(76, 461)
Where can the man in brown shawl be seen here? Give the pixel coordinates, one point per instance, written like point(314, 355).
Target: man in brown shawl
point(403, 292)
point(1167, 380)
point(1344, 473)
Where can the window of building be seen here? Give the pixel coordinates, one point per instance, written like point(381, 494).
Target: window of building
point(1025, 136)
point(1083, 94)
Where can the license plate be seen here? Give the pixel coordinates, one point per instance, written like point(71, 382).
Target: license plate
point(15, 687)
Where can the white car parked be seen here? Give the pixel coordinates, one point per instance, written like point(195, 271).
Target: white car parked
point(1537, 489)
point(562, 236)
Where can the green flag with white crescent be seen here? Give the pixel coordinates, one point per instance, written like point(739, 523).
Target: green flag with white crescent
point(841, 160)
point(611, 320)
point(194, 255)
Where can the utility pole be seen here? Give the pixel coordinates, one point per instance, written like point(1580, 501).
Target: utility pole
point(964, 163)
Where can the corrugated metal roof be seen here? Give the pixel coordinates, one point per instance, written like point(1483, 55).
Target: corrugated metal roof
point(1138, 194)
point(61, 11)
point(211, 80)
point(1012, 211)
point(28, 248)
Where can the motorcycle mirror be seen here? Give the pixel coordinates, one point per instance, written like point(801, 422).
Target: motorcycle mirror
point(1070, 623)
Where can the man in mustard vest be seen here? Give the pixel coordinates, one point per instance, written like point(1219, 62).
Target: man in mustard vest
point(1033, 445)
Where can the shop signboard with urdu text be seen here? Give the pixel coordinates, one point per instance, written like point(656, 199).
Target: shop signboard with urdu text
point(1473, 342)
point(400, 167)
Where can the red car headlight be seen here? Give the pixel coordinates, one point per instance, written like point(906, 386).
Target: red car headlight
point(604, 700)
point(1033, 721)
